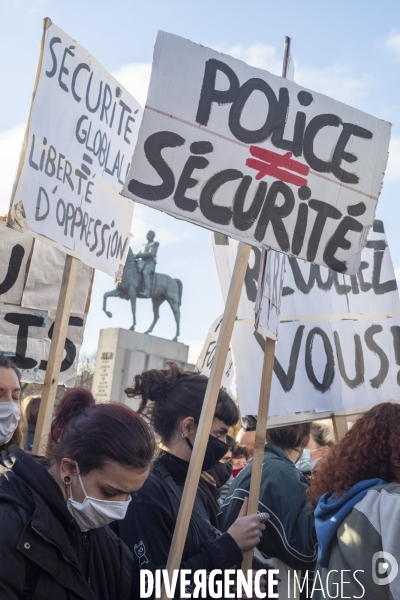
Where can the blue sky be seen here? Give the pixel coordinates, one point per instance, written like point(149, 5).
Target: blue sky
point(348, 50)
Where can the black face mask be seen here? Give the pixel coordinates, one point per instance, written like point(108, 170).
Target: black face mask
point(214, 452)
point(221, 473)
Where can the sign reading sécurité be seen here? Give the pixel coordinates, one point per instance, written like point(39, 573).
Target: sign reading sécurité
point(244, 152)
point(78, 144)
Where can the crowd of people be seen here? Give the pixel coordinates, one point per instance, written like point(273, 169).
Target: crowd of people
point(83, 520)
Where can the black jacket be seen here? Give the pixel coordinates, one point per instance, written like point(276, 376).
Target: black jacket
point(290, 531)
point(43, 553)
point(149, 525)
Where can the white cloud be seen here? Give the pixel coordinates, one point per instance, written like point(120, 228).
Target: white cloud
point(397, 274)
point(393, 166)
point(259, 55)
point(337, 81)
point(135, 77)
point(393, 43)
point(10, 150)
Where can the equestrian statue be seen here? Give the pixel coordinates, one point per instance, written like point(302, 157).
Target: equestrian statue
point(139, 280)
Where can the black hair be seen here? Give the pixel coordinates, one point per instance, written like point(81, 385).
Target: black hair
point(289, 437)
point(241, 452)
point(172, 394)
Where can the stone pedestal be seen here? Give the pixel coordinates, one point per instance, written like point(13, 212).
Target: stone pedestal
point(122, 354)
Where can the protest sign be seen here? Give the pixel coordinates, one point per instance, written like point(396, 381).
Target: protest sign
point(205, 360)
point(30, 275)
point(269, 294)
point(244, 152)
point(78, 144)
point(339, 338)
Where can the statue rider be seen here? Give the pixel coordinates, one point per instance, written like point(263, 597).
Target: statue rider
point(146, 263)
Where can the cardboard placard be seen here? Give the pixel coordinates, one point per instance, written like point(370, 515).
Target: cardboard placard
point(42, 287)
point(269, 293)
point(205, 360)
point(249, 154)
point(339, 339)
point(30, 275)
point(26, 336)
point(79, 140)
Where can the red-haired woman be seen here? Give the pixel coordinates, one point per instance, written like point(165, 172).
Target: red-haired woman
point(52, 537)
point(358, 514)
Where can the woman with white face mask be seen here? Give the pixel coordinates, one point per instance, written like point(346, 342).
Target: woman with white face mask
point(53, 538)
point(11, 424)
point(322, 440)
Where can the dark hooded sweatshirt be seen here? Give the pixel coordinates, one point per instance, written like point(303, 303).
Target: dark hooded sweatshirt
point(149, 525)
point(43, 553)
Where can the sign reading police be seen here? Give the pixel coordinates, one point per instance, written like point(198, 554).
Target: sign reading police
point(78, 144)
point(243, 152)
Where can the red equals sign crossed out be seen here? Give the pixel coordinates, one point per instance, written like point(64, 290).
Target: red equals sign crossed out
point(277, 165)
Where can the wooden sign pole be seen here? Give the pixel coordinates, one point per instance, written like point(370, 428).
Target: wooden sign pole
point(262, 416)
point(339, 427)
point(286, 54)
point(208, 410)
point(263, 404)
point(55, 356)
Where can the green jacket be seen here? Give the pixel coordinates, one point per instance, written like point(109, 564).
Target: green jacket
point(290, 531)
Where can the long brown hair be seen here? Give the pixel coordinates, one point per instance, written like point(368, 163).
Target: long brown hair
point(369, 450)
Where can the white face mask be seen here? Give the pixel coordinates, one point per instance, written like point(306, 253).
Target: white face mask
point(305, 462)
point(10, 413)
point(92, 512)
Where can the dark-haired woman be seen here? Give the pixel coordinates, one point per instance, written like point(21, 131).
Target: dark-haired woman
point(289, 540)
point(172, 399)
point(53, 542)
point(11, 423)
point(358, 514)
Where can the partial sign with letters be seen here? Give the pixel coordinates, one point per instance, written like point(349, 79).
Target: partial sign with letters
point(78, 145)
point(269, 293)
point(30, 275)
point(339, 338)
point(207, 353)
point(243, 152)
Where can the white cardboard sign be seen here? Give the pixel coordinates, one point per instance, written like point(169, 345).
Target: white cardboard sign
point(339, 338)
point(79, 141)
point(244, 152)
point(29, 294)
point(207, 353)
point(269, 293)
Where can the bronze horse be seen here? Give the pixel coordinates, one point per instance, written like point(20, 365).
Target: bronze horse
point(164, 288)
